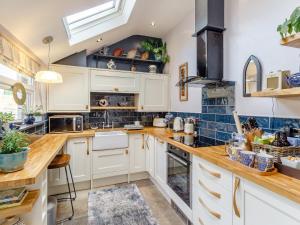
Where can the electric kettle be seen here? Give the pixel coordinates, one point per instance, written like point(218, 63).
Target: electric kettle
point(178, 124)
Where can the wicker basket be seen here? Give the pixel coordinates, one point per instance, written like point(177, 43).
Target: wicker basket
point(277, 152)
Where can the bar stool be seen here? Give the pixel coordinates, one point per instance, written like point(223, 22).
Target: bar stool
point(60, 161)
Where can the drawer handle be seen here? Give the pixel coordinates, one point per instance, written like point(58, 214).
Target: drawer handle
point(79, 142)
point(116, 89)
point(200, 221)
point(217, 195)
point(236, 186)
point(215, 174)
point(215, 214)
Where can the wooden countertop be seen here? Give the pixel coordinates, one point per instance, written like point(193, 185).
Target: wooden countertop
point(44, 150)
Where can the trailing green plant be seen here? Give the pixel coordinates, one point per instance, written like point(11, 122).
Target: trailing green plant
point(291, 25)
point(13, 142)
point(6, 117)
point(158, 48)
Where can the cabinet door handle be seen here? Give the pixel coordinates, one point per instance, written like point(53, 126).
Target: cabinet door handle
point(126, 151)
point(116, 89)
point(215, 174)
point(217, 195)
point(235, 207)
point(79, 142)
point(215, 214)
point(86, 107)
point(87, 147)
point(143, 143)
point(200, 221)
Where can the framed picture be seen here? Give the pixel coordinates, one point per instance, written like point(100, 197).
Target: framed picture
point(183, 89)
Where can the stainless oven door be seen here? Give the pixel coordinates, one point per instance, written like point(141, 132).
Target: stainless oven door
point(179, 177)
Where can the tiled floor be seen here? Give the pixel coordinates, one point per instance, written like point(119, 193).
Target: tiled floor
point(160, 208)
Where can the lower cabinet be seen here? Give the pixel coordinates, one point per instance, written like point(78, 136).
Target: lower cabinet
point(137, 153)
point(109, 163)
point(79, 149)
point(150, 154)
point(161, 162)
point(254, 205)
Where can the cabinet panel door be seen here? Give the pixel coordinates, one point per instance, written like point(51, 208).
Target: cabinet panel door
point(109, 163)
point(137, 153)
point(161, 162)
point(260, 207)
point(6, 48)
point(79, 149)
point(71, 95)
point(154, 95)
point(114, 81)
point(150, 154)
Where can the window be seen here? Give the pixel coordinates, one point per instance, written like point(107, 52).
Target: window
point(94, 21)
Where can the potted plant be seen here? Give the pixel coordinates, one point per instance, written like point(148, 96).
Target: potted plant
point(33, 114)
point(290, 26)
point(157, 48)
point(5, 118)
point(13, 151)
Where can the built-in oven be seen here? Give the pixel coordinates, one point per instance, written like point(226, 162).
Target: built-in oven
point(179, 173)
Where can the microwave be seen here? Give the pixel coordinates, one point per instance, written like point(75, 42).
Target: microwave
point(65, 123)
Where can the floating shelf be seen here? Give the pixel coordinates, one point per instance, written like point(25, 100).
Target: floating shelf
point(292, 41)
point(291, 92)
point(122, 58)
point(25, 207)
point(114, 108)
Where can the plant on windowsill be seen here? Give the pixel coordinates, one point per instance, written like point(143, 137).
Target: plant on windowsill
point(5, 118)
point(157, 48)
point(33, 114)
point(290, 26)
point(13, 151)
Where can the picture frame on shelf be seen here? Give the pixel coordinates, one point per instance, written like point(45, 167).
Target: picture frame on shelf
point(183, 88)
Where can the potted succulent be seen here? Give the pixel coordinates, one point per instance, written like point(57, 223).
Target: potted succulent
point(5, 118)
point(157, 48)
point(13, 151)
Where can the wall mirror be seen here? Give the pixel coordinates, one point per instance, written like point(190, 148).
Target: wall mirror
point(252, 79)
point(19, 93)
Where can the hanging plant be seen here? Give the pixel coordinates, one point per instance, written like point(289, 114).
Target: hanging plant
point(157, 48)
point(290, 26)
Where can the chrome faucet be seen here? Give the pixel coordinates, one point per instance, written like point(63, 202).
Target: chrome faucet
point(107, 124)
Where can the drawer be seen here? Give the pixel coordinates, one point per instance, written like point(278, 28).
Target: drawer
point(216, 196)
point(212, 173)
point(203, 214)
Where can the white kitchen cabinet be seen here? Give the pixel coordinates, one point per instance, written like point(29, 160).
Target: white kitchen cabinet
point(109, 163)
point(6, 48)
point(258, 206)
point(161, 162)
point(154, 95)
point(150, 154)
point(137, 153)
point(114, 81)
point(80, 151)
point(73, 94)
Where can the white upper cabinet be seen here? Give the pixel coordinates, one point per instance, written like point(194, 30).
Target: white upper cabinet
point(154, 95)
point(73, 94)
point(114, 81)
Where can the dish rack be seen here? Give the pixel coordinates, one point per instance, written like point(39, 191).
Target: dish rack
point(277, 152)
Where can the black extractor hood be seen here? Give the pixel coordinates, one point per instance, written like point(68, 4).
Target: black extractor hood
point(209, 33)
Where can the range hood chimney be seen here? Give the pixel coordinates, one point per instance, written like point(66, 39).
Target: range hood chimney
point(209, 33)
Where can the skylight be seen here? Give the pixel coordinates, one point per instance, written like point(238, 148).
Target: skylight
point(99, 19)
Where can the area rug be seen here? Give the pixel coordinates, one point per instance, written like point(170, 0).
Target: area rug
point(123, 205)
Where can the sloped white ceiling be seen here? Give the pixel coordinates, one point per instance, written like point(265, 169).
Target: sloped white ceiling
point(31, 20)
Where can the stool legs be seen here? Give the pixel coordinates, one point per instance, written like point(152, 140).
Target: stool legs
point(72, 183)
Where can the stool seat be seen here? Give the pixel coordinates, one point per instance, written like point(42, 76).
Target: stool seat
point(60, 161)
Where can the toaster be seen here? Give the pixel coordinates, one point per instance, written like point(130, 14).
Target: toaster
point(159, 122)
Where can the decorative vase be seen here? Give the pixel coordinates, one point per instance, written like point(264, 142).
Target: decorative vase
point(294, 80)
point(13, 162)
point(30, 119)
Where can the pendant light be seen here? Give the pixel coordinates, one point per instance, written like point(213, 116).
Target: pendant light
point(48, 76)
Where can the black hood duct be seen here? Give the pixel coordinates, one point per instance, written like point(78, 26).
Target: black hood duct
point(209, 33)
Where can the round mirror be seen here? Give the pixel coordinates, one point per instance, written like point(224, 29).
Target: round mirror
point(19, 93)
point(252, 76)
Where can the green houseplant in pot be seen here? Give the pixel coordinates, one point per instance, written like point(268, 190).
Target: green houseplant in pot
point(157, 48)
point(291, 25)
point(5, 118)
point(13, 151)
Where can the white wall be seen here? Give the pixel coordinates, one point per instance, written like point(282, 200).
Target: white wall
point(182, 49)
point(250, 29)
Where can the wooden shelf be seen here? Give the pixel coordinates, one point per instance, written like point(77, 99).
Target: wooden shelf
point(291, 92)
point(25, 207)
point(114, 108)
point(292, 41)
point(122, 58)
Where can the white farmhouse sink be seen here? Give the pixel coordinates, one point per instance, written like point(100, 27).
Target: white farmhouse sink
point(110, 140)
